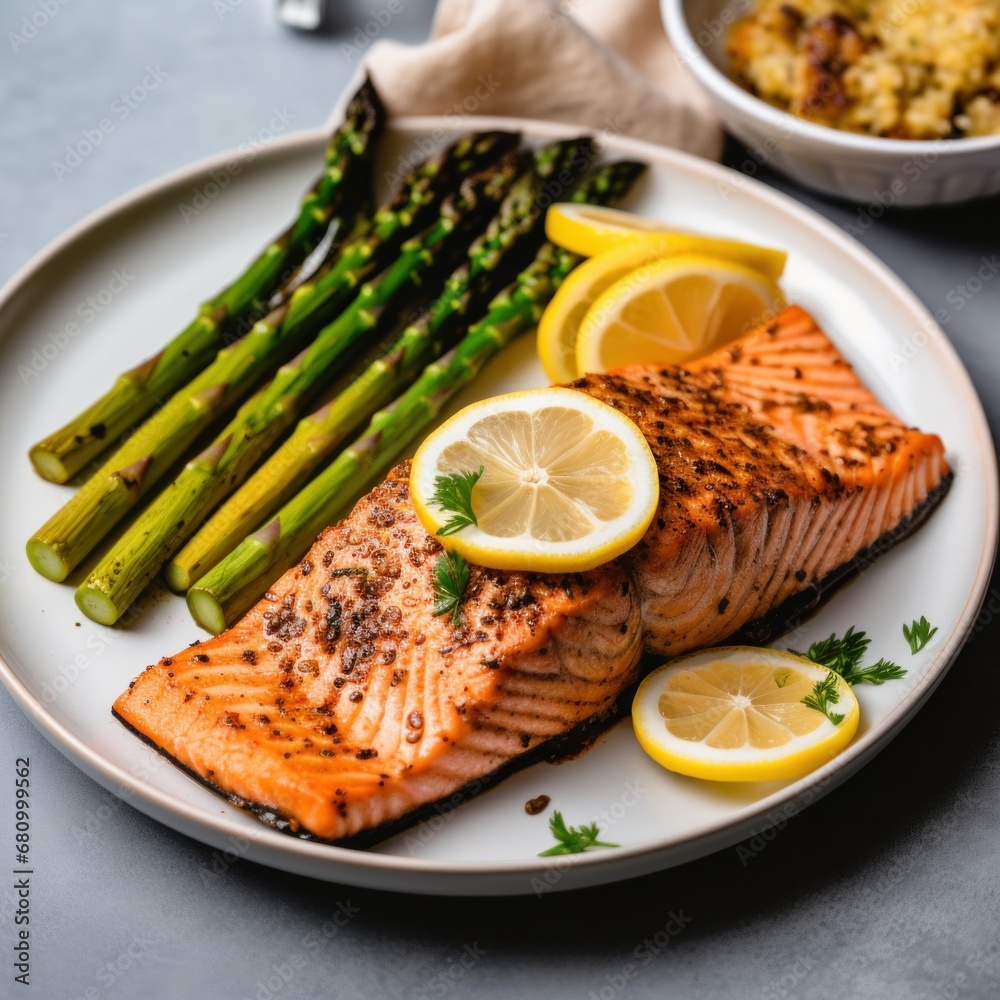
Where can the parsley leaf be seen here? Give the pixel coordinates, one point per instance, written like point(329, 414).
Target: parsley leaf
point(823, 695)
point(451, 577)
point(573, 839)
point(839, 655)
point(844, 656)
point(453, 493)
point(878, 673)
point(918, 634)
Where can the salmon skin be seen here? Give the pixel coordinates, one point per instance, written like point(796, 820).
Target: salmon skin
point(341, 706)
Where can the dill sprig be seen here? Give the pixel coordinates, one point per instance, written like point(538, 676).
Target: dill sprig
point(451, 577)
point(823, 695)
point(453, 493)
point(573, 839)
point(844, 655)
point(918, 634)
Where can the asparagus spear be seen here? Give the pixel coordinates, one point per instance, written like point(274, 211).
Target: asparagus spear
point(131, 471)
point(513, 234)
point(372, 246)
point(140, 552)
point(332, 202)
point(233, 585)
point(443, 172)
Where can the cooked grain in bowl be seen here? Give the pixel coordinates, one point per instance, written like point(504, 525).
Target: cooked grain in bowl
point(903, 69)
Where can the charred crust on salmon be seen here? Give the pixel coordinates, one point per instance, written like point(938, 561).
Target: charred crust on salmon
point(781, 476)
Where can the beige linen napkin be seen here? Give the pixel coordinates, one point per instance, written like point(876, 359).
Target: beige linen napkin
point(605, 65)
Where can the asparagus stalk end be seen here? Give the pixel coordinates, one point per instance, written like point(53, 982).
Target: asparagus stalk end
point(150, 541)
point(333, 199)
point(47, 560)
point(48, 464)
point(206, 610)
point(97, 605)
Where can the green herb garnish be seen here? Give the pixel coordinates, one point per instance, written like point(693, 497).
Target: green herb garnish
point(453, 493)
point(844, 656)
point(573, 839)
point(918, 634)
point(839, 655)
point(878, 673)
point(824, 694)
point(451, 577)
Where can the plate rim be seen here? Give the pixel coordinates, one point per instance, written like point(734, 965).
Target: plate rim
point(588, 869)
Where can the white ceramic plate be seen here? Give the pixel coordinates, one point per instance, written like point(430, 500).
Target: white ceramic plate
point(65, 675)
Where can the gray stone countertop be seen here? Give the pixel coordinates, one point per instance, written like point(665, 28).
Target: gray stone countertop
point(887, 888)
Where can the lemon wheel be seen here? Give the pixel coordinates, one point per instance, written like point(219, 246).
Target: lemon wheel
point(672, 311)
point(560, 323)
point(568, 482)
point(739, 713)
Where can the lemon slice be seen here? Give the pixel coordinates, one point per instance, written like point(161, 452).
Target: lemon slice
point(672, 311)
point(592, 229)
point(736, 713)
point(568, 481)
point(560, 323)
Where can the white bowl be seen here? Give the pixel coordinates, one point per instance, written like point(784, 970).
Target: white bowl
point(861, 168)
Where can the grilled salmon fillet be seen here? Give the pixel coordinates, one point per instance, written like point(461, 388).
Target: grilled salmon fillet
point(341, 704)
point(779, 471)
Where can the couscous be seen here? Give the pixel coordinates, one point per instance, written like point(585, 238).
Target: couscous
point(904, 69)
